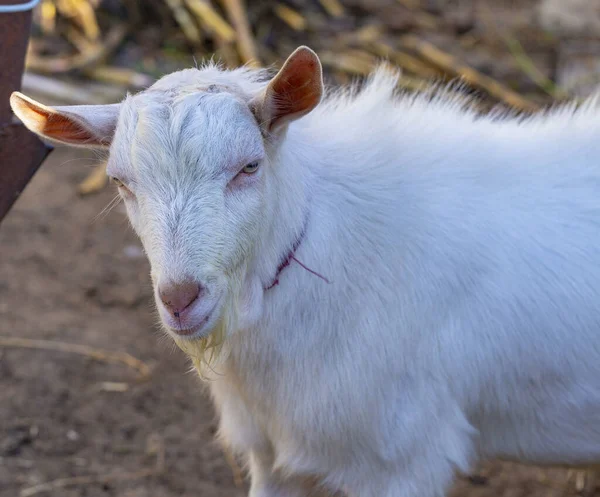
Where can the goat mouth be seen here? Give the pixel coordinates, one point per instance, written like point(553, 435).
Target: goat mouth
point(196, 331)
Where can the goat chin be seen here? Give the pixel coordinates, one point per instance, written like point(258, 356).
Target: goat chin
point(242, 310)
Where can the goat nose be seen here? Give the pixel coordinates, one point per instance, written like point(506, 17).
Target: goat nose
point(178, 296)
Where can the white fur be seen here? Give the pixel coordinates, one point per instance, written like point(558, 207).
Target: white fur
point(462, 317)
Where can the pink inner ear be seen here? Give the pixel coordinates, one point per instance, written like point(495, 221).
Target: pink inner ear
point(66, 129)
point(297, 88)
point(56, 126)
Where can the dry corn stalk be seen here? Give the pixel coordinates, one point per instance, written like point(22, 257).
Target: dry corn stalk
point(47, 15)
point(236, 12)
point(102, 355)
point(78, 40)
point(120, 76)
point(94, 55)
point(185, 21)
point(83, 14)
point(473, 77)
point(368, 34)
point(211, 20)
point(412, 84)
point(352, 61)
point(333, 7)
point(292, 18)
point(404, 60)
point(227, 53)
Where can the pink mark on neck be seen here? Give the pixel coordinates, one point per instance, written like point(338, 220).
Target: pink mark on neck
point(291, 256)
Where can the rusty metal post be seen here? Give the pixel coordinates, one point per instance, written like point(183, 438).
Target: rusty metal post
point(21, 152)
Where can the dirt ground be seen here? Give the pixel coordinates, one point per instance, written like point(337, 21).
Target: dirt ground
point(68, 275)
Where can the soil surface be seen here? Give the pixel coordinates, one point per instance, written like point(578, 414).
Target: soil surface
point(70, 275)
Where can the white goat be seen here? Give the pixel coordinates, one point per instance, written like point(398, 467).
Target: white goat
point(399, 287)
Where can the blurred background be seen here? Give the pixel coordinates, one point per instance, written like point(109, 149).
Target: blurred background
point(93, 400)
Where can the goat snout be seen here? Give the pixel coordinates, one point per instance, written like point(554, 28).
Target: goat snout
point(178, 297)
point(187, 307)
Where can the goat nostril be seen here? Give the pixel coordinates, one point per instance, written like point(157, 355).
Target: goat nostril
point(179, 296)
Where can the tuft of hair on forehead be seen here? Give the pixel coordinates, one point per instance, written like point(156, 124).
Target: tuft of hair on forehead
point(243, 82)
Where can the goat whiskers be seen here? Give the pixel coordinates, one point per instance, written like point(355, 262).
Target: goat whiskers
point(109, 207)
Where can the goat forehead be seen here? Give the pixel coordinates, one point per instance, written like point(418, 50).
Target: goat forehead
point(244, 82)
point(202, 133)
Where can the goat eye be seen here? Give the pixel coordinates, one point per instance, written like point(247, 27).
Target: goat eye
point(121, 186)
point(117, 181)
point(250, 168)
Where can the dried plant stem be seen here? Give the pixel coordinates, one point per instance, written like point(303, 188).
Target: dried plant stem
point(236, 11)
point(528, 67)
point(98, 354)
point(291, 17)
point(185, 21)
point(97, 53)
point(120, 76)
point(47, 15)
point(404, 60)
point(333, 7)
point(83, 14)
point(448, 63)
point(211, 20)
point(352, 61)
point(71, 93)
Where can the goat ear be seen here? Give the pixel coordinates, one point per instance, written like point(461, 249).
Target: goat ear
point(89, 126)
point(293, 92)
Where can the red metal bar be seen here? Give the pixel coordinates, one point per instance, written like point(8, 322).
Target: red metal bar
point(21, 152)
